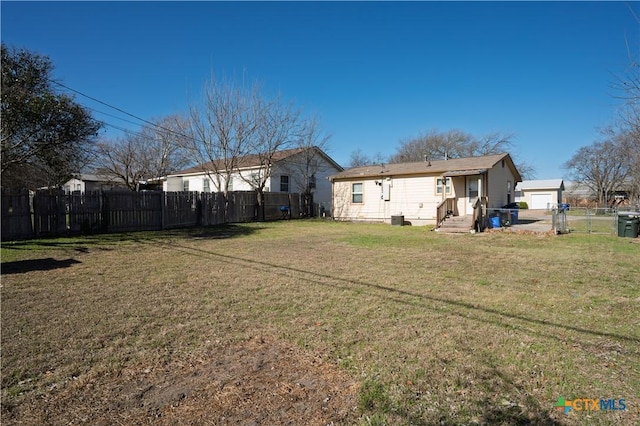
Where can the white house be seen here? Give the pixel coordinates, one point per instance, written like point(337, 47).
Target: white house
point(540, 194)
point(291, 171)
point(425, 192)
point(87, 182)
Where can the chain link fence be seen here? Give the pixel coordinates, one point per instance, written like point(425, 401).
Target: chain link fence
point(563, 219)
point(602, 221)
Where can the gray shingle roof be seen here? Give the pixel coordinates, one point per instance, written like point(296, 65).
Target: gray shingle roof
point(540, 184)
point(455, 166)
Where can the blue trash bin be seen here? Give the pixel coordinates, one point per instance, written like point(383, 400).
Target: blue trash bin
point(513, 212)
point(494, 222)
point(514, 216)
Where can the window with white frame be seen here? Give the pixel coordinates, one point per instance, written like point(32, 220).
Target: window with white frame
point(206, 185)
point(356, 193)
point(185, 185)
point(284, 183)
point(443, 186)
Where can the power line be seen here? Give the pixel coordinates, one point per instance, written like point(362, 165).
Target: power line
point(125, 112)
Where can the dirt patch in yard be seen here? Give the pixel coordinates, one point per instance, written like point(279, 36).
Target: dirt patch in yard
point(260, 381)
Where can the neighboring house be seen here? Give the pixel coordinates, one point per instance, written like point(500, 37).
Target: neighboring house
point(85, 182)
point(540, 194)
point(581, 195)
point(425, 192)
point(291, 171)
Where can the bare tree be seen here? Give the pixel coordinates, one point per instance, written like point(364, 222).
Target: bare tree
point(310, 141)
point(600, 166)
point(152, 152)
point(359, 158)
point(436, 145)
point(118, 159)
point(627, 88)
point(221, 127)
point(275, 127)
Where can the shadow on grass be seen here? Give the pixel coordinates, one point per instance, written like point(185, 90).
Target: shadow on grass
point(83, 243)
point(47, 264)
point(531, 411)
point(528, 221)
point(469, 311)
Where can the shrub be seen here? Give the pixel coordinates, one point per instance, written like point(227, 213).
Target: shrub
point(523, 205)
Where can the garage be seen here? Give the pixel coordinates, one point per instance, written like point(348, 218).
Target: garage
point(540, 194)
point(541, 201)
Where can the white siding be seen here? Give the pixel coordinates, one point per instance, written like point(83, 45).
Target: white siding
point(499, 175)
point(294, 168)
point(74, 185)
point(173, 183)
point(543, 199)
point(412, 197)
point(320, 166)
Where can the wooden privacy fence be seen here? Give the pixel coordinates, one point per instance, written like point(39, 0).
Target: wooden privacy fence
point(54, 213)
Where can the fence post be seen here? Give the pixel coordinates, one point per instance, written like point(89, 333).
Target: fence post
point(105, 211)
point(163, 207)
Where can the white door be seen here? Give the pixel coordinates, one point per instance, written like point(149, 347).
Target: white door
point(539, 201)
point(472, 192)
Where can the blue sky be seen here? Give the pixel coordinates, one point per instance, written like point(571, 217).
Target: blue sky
point(374, 72)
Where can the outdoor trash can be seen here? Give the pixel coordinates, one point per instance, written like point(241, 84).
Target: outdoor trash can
point(494, 222)
point(628, 224)
point(513, 212)
point(512, 216)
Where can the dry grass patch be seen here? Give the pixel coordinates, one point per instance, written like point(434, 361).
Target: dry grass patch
point(353, 323)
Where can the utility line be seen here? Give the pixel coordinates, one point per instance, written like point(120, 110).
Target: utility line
point(125, 112)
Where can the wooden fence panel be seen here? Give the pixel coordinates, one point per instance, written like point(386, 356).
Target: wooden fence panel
point(241, 207)
point(85, 213)
point(132, 211)
point(275, 201)
point(181, 209)
point(54, 213)
point(50, 213)
point(212, 209)
point(16, 215)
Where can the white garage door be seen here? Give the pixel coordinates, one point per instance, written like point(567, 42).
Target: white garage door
point(540, 201)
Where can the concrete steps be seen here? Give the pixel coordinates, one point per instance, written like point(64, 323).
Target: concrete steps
point(456, 225)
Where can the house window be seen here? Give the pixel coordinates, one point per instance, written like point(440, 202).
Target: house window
point(284, 183)
point(312, 181)
point(185, 185)
point(356, 193)
point(443, 185)
point(206, 185)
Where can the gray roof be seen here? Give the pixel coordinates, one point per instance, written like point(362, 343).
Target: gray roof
point(251, 161)
point(453, 167)
point(540, 184)
point(90, 177)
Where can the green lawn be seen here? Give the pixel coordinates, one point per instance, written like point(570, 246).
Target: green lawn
point(436, 329)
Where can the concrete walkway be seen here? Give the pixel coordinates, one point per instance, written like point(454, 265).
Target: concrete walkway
point(534, 221)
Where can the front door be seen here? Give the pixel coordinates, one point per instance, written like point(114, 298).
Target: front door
point(472, 192)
